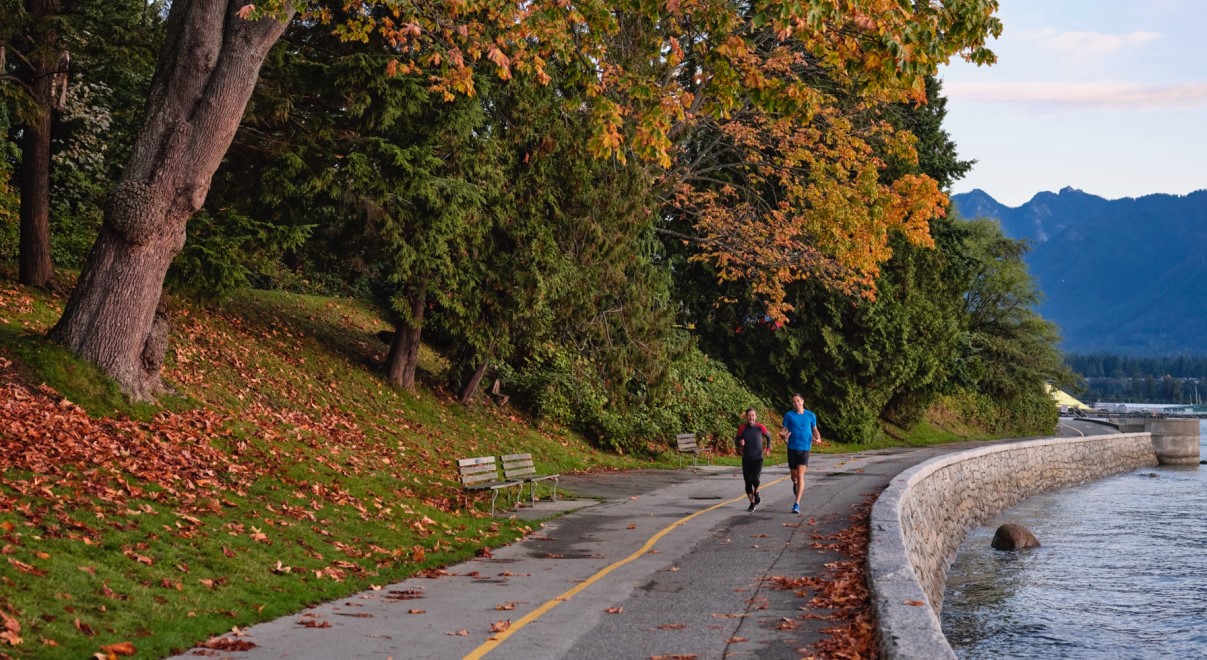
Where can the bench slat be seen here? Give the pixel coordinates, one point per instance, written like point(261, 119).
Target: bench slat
point(688, 444)
point(522, 467)
point(482, 473)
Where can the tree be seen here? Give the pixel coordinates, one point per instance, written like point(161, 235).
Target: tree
point(205, 75)
point(33, 38)
point(210, 64)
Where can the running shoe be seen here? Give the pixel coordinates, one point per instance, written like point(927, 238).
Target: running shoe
point(750, 509)
point(758, 499)
point(796, 508)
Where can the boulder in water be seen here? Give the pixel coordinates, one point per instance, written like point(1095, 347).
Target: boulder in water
point(1013, 537)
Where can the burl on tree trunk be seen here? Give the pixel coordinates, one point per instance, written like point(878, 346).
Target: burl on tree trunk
point(205, 76)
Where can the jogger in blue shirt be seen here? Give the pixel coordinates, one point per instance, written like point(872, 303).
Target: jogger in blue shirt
point(800, 429)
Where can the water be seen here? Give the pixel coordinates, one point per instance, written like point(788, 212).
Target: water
point(1122, 574)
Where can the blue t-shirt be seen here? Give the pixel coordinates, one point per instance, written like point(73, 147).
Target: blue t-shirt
point(800, 427)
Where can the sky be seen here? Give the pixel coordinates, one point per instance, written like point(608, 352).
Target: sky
point(1107, 96)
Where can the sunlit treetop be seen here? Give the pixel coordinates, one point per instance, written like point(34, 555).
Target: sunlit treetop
point(794, 87)
point(885, 47)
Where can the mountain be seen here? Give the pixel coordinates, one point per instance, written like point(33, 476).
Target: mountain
point(1123, 276)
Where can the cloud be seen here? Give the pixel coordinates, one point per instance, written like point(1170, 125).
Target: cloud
point(1107, 95)
point(1089, 44)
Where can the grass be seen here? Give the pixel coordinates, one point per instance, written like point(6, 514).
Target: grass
point(116, 525)
point(281, 473)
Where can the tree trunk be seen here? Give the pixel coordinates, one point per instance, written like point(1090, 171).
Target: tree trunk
point(403, 360)
point(35, 266)
point(205, 76)
point(473, 380)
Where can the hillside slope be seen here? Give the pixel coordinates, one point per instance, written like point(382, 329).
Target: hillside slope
point(283, 473)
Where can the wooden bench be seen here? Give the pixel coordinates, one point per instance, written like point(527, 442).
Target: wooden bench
point(688, 445)
point(482, 473)
point(520, 467)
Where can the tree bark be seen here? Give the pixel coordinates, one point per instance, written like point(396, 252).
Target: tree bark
point(403, 360)
point(206, 74)
point(35, 266)
point(473, 380)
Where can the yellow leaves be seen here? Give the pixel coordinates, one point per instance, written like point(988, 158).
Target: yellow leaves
point(501, 61)
point(606, 138)
point(833, 217)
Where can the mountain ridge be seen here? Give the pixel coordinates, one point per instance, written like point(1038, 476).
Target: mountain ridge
point(1120, 276)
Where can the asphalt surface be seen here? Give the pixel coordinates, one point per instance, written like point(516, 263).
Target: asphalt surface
point(641, 564)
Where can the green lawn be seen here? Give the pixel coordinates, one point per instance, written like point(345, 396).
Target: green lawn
point(281, 472)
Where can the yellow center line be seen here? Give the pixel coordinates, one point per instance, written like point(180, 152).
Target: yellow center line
point(493, 642)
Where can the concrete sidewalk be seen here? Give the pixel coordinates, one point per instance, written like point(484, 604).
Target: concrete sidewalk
point(643, 563)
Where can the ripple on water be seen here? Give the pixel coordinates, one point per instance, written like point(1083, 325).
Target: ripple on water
point(1122, 573)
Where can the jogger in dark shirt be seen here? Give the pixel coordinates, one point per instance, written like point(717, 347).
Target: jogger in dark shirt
point(753, 441)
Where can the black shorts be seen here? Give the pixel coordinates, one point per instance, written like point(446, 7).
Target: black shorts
point(798, 458)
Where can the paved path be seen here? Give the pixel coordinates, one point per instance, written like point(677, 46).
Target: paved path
point(669, 563)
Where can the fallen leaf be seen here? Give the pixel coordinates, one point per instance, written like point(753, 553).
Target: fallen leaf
point(915, 603)
point(84, 628)
point(409, 594)
point(671, 626)
point(26, 568)
point(614, 610)
point(505, 606)
point(460, 633)
point(228, 644)
point(632, 526)
point(121, 648)
point(416, 611)
point(735, 639)
point(500, 626)
point(314, 623)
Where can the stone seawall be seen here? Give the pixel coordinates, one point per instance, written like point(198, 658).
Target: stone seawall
point(919, 521)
